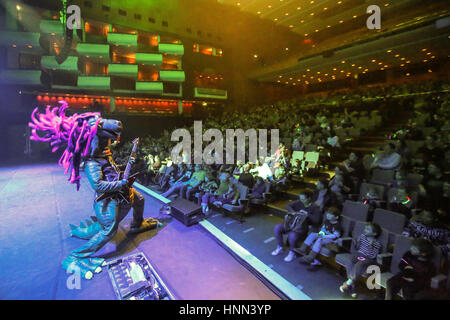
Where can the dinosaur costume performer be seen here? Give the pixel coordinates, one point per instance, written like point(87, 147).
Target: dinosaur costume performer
point(87, 137)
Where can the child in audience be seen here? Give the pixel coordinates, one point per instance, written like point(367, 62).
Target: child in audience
point(230, 197)
point(323, 197)
point(416, 271)
point(208, 186)
point(329, 233)
point(210, 197)
point(367, 248)
point(258, 189)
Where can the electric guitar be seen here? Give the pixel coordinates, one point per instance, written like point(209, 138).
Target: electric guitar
point(125, 194)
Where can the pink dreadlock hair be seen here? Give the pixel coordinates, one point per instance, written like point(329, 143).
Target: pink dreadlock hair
point(73, 132)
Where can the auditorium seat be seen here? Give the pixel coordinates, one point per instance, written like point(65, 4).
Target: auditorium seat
point(414, 179)
point(351, 213)
point(312, 158)
point(242, 205)
point(391, 221)
point(311, 148)
point(381, 176)
point(266, 196)
point(378, 189)
point(413, 195)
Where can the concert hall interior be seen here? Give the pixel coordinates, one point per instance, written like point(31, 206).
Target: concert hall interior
point(224, 150)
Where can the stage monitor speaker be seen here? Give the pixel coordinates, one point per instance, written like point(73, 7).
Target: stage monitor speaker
point(185, 211)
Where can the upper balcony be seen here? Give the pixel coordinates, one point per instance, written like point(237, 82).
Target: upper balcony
point(122, 39)
point(171, 48)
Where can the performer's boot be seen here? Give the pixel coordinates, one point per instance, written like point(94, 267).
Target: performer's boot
point(72, 264)
point(145, 225)
point(138, 224)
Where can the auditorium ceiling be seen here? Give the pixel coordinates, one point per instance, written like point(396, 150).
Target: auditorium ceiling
point(336, 43)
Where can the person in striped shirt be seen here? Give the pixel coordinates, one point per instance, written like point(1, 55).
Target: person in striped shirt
point(367, 247)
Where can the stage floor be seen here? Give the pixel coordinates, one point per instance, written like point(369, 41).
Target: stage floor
point(37, 204)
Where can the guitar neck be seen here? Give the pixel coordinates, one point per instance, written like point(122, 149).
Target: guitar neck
point(127, 170)
point(132, 155)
